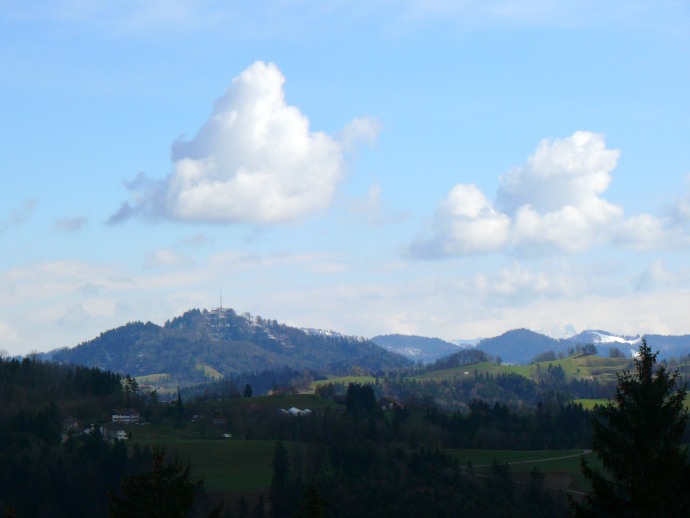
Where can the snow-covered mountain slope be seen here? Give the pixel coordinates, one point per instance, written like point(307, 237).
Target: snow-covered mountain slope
point(417, 348)
point(596, 336)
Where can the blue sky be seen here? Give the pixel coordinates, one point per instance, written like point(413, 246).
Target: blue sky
point(451, 169)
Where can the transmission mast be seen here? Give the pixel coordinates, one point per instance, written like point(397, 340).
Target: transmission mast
point(221, 315)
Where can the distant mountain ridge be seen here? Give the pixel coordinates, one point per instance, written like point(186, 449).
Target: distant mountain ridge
point(418, 348)
point(200, 344)
point(222, 342)
point(521, 345)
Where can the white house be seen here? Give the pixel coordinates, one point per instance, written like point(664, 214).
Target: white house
point(126, 416)
point(294, 412)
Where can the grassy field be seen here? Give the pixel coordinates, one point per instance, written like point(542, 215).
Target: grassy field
point(225, 465)
point(209, 371)
point(470, 370)
point(603, 369)
point(561, 467)
point(238, 465)
point(576, 366)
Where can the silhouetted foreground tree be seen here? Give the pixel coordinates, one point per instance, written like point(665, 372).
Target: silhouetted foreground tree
point(165, 492)
point(637, 437)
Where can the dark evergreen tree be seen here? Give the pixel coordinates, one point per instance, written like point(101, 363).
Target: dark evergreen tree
point(279, 483)
point(131, 391)
point(637, 437)
point(589, 349)
point(178, 411)
point(360, 400)
point(248, 392)
point(167, 491)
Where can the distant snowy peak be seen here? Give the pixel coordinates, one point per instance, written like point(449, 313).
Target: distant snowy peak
point(418, 348)
point(460, 342)
point(596, 336)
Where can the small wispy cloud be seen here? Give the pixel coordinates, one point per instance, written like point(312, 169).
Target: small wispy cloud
point(74, 315)
point(165, 257)
point(19, 216)
point(71, 224)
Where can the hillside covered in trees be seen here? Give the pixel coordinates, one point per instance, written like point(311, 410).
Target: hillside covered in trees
point(203, 345)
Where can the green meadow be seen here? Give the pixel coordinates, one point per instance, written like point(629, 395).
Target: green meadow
point(225, 465)
point(238, 465)
point(561, 467)
point(576, 366)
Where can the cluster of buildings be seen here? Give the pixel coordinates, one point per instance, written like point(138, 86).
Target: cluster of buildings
point(109, 431)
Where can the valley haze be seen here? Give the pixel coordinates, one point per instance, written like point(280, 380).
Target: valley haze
point(439, 169)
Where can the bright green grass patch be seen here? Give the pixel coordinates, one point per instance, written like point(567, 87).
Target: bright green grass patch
point(577, 366)
point(470, 370)
point(604, 369)
point(345, 380)
point(571, 366)
point(209, 371)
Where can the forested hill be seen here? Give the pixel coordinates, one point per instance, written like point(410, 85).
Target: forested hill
point(521, 345)
point(209, 344)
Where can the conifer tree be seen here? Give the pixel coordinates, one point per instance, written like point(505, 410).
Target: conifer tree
point(167, 491)
point(279, 483)
point(637, 438)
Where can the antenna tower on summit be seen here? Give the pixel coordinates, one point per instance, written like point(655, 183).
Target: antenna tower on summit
point(221, 314)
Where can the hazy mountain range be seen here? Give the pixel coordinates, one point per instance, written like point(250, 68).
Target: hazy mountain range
point(417, 348)
point(201, 345)
point(521, 345)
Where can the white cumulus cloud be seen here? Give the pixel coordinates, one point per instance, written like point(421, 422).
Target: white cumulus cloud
point(554, 202)
point(255, 160)
point(465, 222)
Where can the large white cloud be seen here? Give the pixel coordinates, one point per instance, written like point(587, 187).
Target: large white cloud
point(552, 203)
point(255, 160)
point(465, 222)
point(571, 171)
